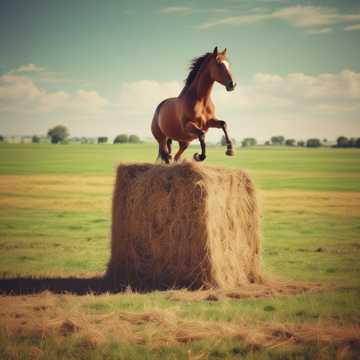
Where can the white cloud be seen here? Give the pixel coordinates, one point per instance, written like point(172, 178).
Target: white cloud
point(343, 85)
point(319, 31)
point(28, 69)
point(352, 27)
point(296, 92)
point(141, 97)
point(175, 9)
point(296, 105)
point(297, 16)
point(20, 94)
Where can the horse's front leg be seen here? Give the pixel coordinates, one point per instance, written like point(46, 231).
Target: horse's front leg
point(220, 124)
point(194, 129)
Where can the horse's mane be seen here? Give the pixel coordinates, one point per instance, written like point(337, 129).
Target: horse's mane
point(194, 68)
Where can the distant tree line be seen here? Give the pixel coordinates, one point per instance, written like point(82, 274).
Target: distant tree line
point(344, 142)
point(124, 138)
point(60, 135)
point(248, 142)
point(102, 140)
point(341, 142)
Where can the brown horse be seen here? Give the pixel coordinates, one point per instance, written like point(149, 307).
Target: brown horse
point(190, 115)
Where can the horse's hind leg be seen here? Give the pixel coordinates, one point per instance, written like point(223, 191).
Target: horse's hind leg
point(182, 147)
point(164, 151)
point(164, 142)
point(168, 143)
point(194, 129)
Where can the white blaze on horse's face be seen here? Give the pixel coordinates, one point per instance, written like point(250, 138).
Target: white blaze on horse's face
point(226, 64)
point(230, 85)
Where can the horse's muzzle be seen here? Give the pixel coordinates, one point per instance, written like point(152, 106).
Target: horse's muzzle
point(230, 86)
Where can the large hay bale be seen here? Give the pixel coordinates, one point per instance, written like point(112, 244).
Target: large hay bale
point(184, 225)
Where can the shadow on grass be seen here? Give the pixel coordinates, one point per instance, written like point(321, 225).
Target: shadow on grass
point(78, 286)
point(83, 286)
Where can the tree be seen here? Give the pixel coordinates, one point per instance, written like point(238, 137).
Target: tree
point(277, 140)
point(223, 141)
point(301, 143)
point(134, 139)
point(121, 139)
point(352, 142)
point(267, 142)
point(35, 139)
point(102, 139)
point(2, 138)
point(342, 141)
point(313, 142)
point(58, 134)
point(248, 142)
point(290, 142)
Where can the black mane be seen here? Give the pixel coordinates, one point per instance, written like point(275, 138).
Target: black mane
point(194, 68)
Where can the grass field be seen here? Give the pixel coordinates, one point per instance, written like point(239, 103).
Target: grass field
point(55, 220)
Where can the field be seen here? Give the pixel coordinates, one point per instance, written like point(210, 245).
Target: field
point(55, 220)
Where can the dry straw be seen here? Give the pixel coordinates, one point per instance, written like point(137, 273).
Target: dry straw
point(184, 225)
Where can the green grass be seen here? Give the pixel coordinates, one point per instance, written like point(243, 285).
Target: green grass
point(58, 230)
point(333, 169)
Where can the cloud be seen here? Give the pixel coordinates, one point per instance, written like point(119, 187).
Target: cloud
point(295, 105)
point(352, 27)
point(141, 97)
point(176, 9)
point(42, 75)
point(298, 16)
point(295, 91)
point(20, 94)
point(323, 87)
point(319, 31)
point(28, 68)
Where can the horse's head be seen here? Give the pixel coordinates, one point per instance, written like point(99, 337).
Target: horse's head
point(220, 69)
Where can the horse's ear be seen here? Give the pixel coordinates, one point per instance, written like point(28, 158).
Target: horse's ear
point(215, 52)
point(224, 52)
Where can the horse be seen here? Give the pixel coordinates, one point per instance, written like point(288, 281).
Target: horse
point(190, 115)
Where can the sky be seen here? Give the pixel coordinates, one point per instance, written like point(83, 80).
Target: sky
point(101, 67)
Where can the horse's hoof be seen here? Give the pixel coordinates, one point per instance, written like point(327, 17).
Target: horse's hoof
point(199, 157)
point(230, 152)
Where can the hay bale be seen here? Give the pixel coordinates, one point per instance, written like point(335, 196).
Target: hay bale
point(184, 225)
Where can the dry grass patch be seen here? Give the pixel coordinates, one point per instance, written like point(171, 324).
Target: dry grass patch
point(305, 174)
point(70, 204)
point(55, 183)
point(83, 193)
point(56, 192)
point(59, 316)
point(317, 202)
point(269, 288)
